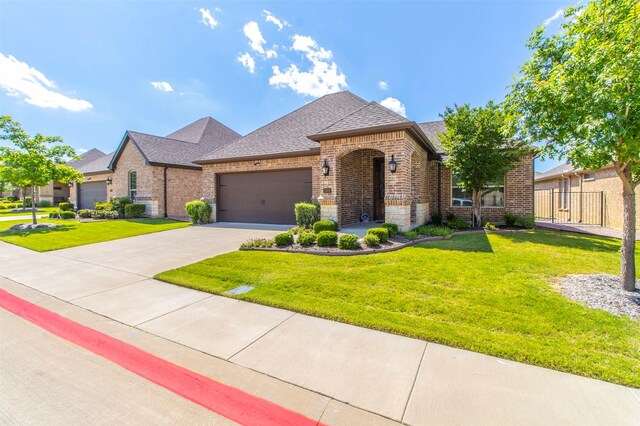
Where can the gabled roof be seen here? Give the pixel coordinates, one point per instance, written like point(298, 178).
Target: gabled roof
point(288, 135)
point(100, 165)
point(556, 171)
point(182, 147)
point(431, 129)
point(370, 115)
point(86, 158)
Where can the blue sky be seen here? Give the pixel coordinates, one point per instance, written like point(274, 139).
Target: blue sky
point(88, 71)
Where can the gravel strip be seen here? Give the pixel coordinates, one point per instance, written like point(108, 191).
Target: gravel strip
point(25, 226)
point(602, 291)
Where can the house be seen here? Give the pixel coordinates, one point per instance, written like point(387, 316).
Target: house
point(568, 194)
point(157, 171)
point(96, 186)
point(358, 160)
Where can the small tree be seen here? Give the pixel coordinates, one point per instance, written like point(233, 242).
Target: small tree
point(479, 153)
point(580, 93)
point(34, 162)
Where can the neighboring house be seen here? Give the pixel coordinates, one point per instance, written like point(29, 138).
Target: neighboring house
point(571, 195)
point(96, 186)
point(358, 160)
point(157, 171)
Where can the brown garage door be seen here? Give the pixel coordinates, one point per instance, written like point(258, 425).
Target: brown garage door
point(91, 192)
point(262, 197)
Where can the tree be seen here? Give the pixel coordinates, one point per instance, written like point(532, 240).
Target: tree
point(34, 162)
point(580, 94)
point(479, 152)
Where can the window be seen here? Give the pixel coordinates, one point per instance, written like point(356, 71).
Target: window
point(589, 176)
point(133, 185)
point(493, 198)
point(565, 193)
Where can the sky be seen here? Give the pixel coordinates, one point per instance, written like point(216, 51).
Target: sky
point(90, 70)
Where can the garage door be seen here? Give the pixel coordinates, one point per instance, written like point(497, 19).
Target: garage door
point(262, 197)
point(91, 192)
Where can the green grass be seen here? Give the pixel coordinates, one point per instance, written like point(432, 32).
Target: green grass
point(41, 211)
point(73, 233)
point(489, 293)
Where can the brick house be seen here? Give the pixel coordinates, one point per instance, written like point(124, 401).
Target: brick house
point(358, 160)
point(573, 195)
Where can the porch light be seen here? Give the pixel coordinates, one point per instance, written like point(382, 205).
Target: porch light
point(325, 168)
point(393, 164)
point(109, 181)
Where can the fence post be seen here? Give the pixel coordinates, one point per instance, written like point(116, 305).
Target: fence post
point(553, 201)
point(601, 208)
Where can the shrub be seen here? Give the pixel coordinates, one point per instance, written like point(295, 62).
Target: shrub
point(108, 206)
point(199, 211)
point(391, 227)
point(458, 224)
point(307, 214)
point(284, 239)
point(306, 239)
point(66, 214)
point(17, 205)
point(381, 233)
point(44, 203)
point(258, 242)
point(348, 242)
point(298, 230)
point(119, 204)
point(327, 238)
point(510, 219)
point(134, 210)
point(27, 202)
point(54, 214)
point(13, 199)
point(65, 207)
point(436, 218)
point(451, 216)
point(371, 240)
point(412, 235)
point(528, 222)
point(489, 226)
point(84, 213)
point(325, 225)
point(104, 214)
point(434, 231)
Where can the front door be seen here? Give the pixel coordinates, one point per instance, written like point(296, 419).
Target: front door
point(378, 188)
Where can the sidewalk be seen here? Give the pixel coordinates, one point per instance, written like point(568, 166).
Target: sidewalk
point(406, 380)
point(602, 231)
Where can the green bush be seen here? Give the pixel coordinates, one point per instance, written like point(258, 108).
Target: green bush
point(510, 219)
point(284, 239)
point(528, 222)
point(348, 242)
point(198, 211)
point(258, 242)
point(458, 224)
point(305, 239)
point(325, 225)
point(54, 214)
point(104, 214)
point(65, 207)
point(44, 203)
point(391, 227)
point(66, 214)
point(307, 214)
point(451, 216)
point(489, 226)
point(27, 202)
point(134, 210)
point(434, 231)
point(108, 206)
point(436, 218)
point(84, 213)
point(119, 204)
point(412, 235)
point(381, 233)
point(13, 199)
point(371, 240)
point(327, 239)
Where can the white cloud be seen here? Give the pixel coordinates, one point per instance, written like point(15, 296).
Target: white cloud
point(162, 85)
point(280, 23)
point(207, 17)
point(256, 41)
point(18, 79)
point(247, 61)
point(394, 105)
point(322, 78)
point(383, 85)
point(559, 13)
point(81, 151)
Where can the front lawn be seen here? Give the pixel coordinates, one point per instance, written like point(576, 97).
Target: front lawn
point(490, 293)
point(73, 233)
point(41, 211)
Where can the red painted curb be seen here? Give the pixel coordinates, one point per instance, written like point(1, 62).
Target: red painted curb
point(225, 400)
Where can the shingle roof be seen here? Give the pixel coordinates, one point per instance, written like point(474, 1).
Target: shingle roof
point(431, 129)
point(288, 134)
point(556, 171)
point(370, 115)
point(183, 146)
point(100, 165)
point(86, 158)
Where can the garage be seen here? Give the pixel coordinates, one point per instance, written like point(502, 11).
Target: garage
point(262, 197)
point(91, 192)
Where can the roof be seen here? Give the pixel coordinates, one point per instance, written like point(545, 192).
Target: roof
point(100, 165)
point(431, 129)
point(288, 134)
point(86, 158)
point(556, 171)
point(371, 115)
point(182, 147)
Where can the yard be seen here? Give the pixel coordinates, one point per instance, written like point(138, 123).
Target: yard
point(490, 293)
point(73, 233)
point(41, 211)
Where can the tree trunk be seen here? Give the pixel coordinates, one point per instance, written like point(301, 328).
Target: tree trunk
point(627, 252)
point(24, 198)
point(476, 220)
point(33, 206)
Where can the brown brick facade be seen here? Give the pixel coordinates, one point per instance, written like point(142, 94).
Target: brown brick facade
point(100, 177)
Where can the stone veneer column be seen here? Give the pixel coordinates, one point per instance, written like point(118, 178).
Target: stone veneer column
point(397, 209)
point(422, 213)
point(152, 203)
point(328, 207)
